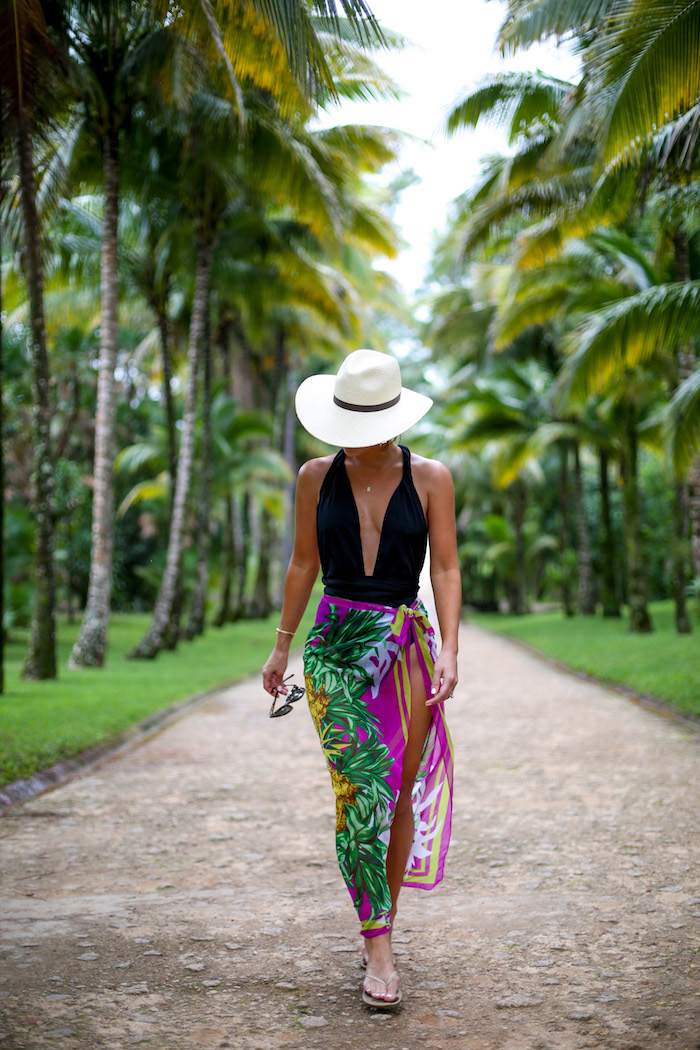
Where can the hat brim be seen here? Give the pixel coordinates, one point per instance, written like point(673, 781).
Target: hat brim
point(328, 422)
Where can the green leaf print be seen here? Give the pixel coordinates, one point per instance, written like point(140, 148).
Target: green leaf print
point(354, 750)
point(333, 650)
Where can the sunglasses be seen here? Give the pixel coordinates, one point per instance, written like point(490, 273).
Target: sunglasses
point(294, 694)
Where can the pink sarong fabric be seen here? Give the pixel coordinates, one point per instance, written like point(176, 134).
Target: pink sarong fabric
point(356, 664)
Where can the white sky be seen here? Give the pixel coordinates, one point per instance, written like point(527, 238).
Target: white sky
point(453, 49)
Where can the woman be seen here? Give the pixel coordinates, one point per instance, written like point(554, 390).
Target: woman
point(374, 682)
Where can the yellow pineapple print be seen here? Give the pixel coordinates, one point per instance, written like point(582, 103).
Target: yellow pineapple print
point(318, 702)
point(344, 796)
point(344, 791)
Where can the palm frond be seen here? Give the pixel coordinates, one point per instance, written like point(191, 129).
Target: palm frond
point(515, 101)
point(356, 74)
point(157, 489)
point(363, 147)
point(293, 27)
point(682, 423)
point(629, 333)
point(588, 207)
point(140, 456)
point(529, 22)
point(515, 458)
point(650, 61)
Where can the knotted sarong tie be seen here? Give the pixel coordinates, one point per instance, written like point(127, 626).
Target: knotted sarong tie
point(406, 621)
point(410, 625)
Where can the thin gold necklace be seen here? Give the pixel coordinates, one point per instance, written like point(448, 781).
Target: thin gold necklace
point(368, 488)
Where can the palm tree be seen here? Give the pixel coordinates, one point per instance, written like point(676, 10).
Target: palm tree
point(123, 53)
point(27, 92)
point(212, 184)
point(195, 623)
point(155, 637)
point(118, 53)
point(594, 282)
point(640, 67)
point(640, 91)
point(578, 210)
point(506, 415)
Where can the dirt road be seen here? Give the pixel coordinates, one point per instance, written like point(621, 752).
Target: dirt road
point(186, 894)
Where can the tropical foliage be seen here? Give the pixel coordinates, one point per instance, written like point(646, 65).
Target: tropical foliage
point(358, 758)
point(182, 238)
point(565, 317)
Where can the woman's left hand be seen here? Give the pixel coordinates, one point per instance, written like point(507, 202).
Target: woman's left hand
point(444, 678)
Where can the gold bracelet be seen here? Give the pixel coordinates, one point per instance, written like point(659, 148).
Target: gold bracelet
point(280, 630)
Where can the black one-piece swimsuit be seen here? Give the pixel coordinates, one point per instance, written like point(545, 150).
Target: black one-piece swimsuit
point(402, 543)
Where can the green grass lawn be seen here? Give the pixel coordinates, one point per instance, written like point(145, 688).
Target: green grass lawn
point(663, 664)
point(44, 722)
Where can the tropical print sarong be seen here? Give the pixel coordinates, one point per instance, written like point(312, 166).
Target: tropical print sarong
point(356, 665)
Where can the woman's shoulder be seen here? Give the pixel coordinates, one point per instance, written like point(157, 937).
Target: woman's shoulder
point(316, 467)
point(312, 473)
point(430, 471)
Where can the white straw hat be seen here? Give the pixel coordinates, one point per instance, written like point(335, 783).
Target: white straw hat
point(364, 404)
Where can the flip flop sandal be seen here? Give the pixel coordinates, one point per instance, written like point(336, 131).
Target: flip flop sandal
point(381, 1004)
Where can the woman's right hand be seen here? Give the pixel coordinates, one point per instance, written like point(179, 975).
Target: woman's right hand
point(273, 672)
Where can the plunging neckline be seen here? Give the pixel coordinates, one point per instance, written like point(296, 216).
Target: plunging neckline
point(372, 574)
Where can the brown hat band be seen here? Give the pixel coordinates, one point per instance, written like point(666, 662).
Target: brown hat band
point(367, 408)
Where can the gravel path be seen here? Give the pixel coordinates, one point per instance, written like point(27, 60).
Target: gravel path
point(186, 894)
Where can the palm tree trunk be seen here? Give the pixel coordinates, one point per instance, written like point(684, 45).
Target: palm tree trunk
point(681, 551)
point(172, 633)
point(261, 603)
point(565, 532)
point(153, 640)
point(91, 645)
point(586, 591)
point(40, 662)
point(240, 532)
point(640, 621)
point(195, 625)
point(290, 459)
point(167, 362)
point(489, 588)
point(679, 559)
point(243, 378)
point(611, 605)
point(518, 503)
point(223, 613)
point(687, 364)
point(230, 604)
point(693, 482)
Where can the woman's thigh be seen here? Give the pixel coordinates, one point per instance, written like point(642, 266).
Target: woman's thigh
point(420, 722)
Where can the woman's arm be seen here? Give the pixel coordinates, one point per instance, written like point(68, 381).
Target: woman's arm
point(301, 574)
point(444, 576)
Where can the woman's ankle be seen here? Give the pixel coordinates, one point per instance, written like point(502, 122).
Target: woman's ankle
point(379, 949)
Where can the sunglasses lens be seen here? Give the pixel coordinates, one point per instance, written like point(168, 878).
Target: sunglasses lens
point(295, 693)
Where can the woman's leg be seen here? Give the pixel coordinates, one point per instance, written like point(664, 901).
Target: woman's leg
point(402, 827)
point(380, 960)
